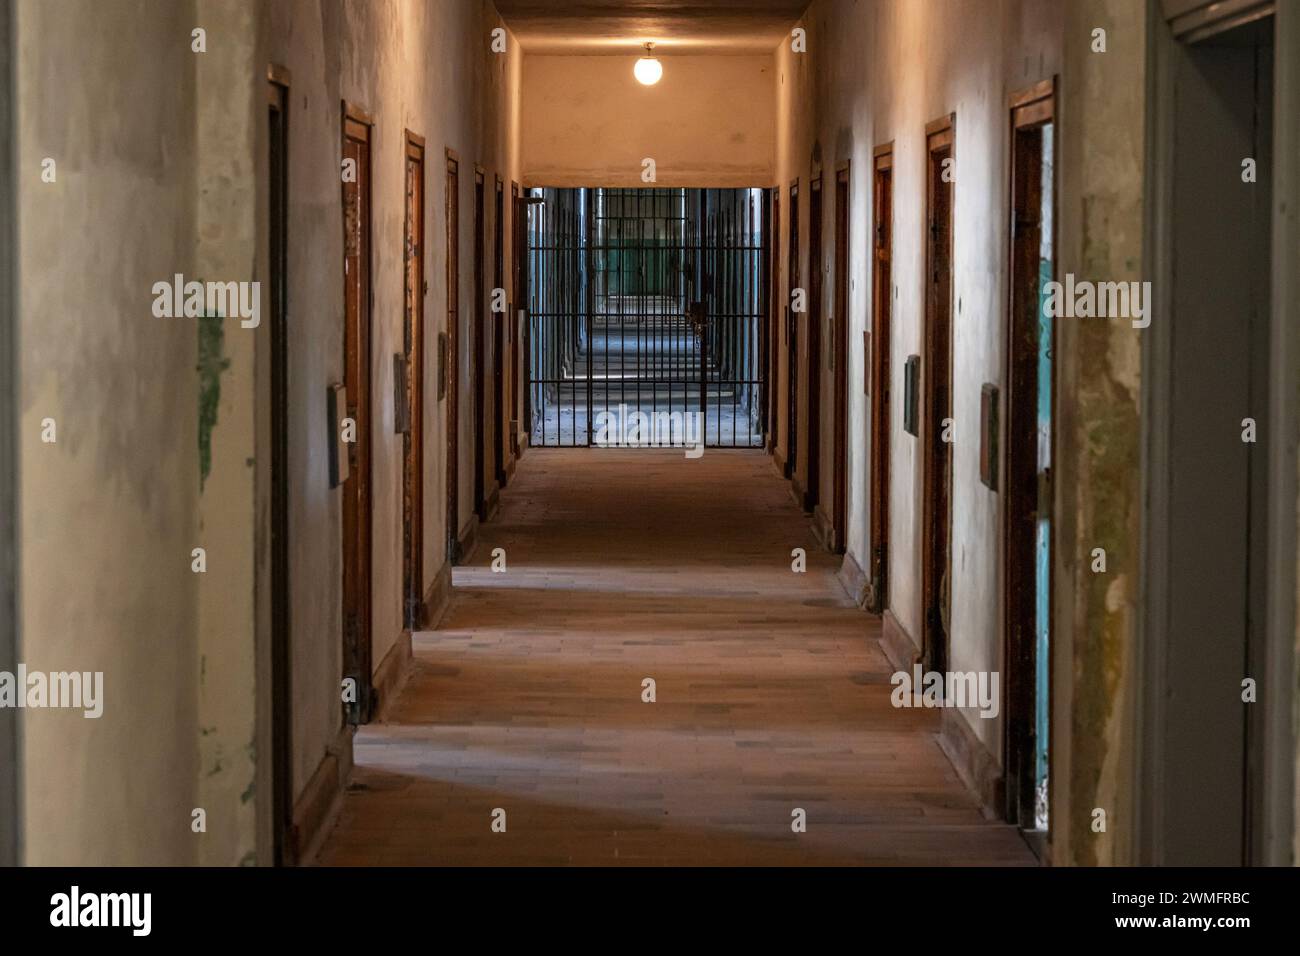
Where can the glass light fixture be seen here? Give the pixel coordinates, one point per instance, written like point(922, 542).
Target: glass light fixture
point(648, 69)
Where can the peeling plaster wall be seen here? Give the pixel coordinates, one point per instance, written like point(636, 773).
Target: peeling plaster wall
point(108, 512)
point(229, 123)
point(876, 72)
point(1098, 439)
point(427, 67)
point(588, 122)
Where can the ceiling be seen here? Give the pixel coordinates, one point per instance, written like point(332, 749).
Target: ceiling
point(675, 26)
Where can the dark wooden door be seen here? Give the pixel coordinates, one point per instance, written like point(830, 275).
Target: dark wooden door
point(451, 356)
point(840, 363)
point(1027, 507)
point(792, 340)
point(413, 344)
point(284, 848)
point(936, 523)
point(499, 322)
point(813, 422)
point(519, 264)
point(879, 377)
point(478, 338)
point(356, 379)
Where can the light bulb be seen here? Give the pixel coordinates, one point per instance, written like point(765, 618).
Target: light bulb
point(648, 70)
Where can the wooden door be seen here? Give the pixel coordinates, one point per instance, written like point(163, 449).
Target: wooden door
point(413, 345)
point(840, 363)
point(813, 422)
point(478, 339)
point(936, 425)
point(499, 322)
point(284, 847)
point(357, 302)
point(450, 362)
point(792, 340)
point(879, 379)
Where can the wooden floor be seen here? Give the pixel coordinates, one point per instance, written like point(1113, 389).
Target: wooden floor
point(772, 692)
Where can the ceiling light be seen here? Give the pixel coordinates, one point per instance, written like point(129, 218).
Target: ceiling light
point(648, 69)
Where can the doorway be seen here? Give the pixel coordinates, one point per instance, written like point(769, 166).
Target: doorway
point(478, 341)
point(518, 296)
point(878, 371)
point(357, 516)
point(1208, 798)
point(813, 466)
point(839, 360)
point(499, 321)
point(1030, 442)
point(450, 356)
point(936, 429)
point(413, 344)
point(772, 242)
point(792, 339)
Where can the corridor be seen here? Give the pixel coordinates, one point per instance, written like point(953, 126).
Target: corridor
point(771, 694)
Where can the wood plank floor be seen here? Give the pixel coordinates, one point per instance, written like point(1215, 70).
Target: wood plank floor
point(772, 692)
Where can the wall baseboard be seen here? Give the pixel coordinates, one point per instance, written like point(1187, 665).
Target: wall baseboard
point(468, 539)
point(897, 644)
point(978, 768)
point(853, 579)
point(391, 674)
point(316, 809)
point(438, 599)
point(492, 504)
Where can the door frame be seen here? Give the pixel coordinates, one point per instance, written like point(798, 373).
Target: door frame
point(773, 254)
point(519, 277)
point(358, 126)
point(815, 359)
point(792, 337)
point(1029, 109)
point(499, 325)
point(414, 286)
point(478, 344)
point(936, 365)
point(840, 361)
point(879, 369)
point(450, 359)
point(283, 836)
point(1272, 840)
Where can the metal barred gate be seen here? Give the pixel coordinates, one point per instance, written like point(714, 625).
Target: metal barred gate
point(647, 317)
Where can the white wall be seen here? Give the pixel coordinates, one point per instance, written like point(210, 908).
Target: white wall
point(875, 73)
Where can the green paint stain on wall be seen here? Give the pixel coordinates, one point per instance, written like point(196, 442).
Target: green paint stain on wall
point(211, 364)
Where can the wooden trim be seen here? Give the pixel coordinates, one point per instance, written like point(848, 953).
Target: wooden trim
point(842, 168)
point(415, 139)
point(884, 149)
point(977, 767)
point(480, 170)
point(438, 598)
point(279, 75)
point(321, 799)
point(1041, 90)
point(900, 649)
point(468, 538)
point(391, 674)
point(351, 111)
point(453, 155)
point(941, 124)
